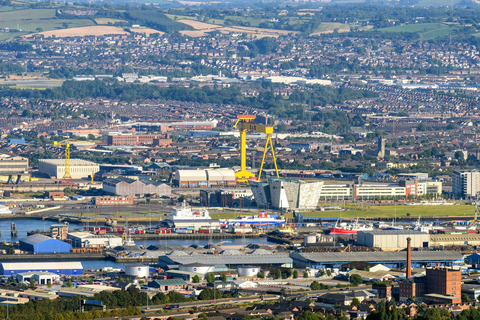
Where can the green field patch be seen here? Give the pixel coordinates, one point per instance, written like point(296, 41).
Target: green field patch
point(253, 21)
point(33, 20)
point(108, 20)
point(367, 210)
point(427, 31)
point(326, 27)
point(10, 8)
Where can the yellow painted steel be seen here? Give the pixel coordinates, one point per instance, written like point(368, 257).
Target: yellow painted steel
point(66, 143)
point(243, 123)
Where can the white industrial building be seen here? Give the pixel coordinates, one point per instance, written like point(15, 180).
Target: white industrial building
point(390, 240)
point(40, 277)
point(55, 168)
point(85, 239)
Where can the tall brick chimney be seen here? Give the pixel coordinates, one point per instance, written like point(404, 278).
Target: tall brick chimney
point(409, 258)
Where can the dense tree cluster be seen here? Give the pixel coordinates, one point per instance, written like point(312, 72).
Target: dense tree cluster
point(66, 309)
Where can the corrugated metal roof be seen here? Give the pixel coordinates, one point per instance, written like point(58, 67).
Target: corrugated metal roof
point(41, 265)
point(279, 258)
point(332, 257)
point(190, 175)
point(36, 239)
point(168, 282)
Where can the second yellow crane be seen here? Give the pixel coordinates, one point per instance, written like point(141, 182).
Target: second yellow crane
point(244, 124)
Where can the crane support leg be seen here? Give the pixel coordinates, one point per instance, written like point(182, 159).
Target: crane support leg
point(263, 159)
point(273, 155)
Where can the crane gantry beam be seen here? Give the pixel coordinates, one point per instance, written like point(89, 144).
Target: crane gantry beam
point(244, 124)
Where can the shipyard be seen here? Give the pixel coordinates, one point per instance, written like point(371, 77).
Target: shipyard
point(239, 160)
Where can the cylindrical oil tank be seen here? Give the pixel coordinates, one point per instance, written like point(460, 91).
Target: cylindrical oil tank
point(137, 270)
point(196, 267)
point(310, 238)
point(248, 271)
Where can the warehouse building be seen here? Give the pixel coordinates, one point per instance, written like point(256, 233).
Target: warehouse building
point(204, 178)
point(63, 268)
point(13, 165)
point(88, 240)
point(129, 187)
point(392, 239)
point(40, 277)
point(38, 243)
point(231, 261)
point(55, 168)
point(389, 259)
point(471, 239)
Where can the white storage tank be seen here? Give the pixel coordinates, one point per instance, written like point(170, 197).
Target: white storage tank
point(137, 270)
point(248, 271)
point(310, 238)
point(197, 268)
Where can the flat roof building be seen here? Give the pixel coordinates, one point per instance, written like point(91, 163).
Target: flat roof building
point(392, 239)
point(466, 183)
point(64, 267)
point(88, 240)
point(389, 259)
point(232, 261)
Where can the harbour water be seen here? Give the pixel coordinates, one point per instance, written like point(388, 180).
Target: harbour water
point(25, 225)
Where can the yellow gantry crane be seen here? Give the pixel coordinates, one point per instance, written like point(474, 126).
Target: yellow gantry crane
point(244, 124)
point(67, 177)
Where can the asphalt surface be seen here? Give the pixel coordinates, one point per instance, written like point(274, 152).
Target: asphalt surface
point(242, 300)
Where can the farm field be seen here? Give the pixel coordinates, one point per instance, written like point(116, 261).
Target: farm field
point(329, 27)
point(369, 211)
point(180, 17)
point(202, 28)
point(253, 22)
point(33, 20)
point(197, 25)
point(108, 20)
point(427, 31)
point(84, 31)
point(147, 31)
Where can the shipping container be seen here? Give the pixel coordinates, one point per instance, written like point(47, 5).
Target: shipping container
point(204, 231)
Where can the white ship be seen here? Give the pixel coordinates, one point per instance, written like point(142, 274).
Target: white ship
point(184, 213)
point(260, 220)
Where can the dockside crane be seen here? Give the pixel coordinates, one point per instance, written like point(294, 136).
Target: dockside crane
point(244, 123)
point(67, 177)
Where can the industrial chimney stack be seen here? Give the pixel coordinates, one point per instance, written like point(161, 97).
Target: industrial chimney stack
point(409, 258)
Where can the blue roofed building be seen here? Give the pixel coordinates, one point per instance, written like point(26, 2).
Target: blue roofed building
point(38, 243)
point(63, 268)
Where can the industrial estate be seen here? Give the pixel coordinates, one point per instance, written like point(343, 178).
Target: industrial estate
point(229, 160)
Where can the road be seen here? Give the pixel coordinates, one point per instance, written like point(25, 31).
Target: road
point(242, 300)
